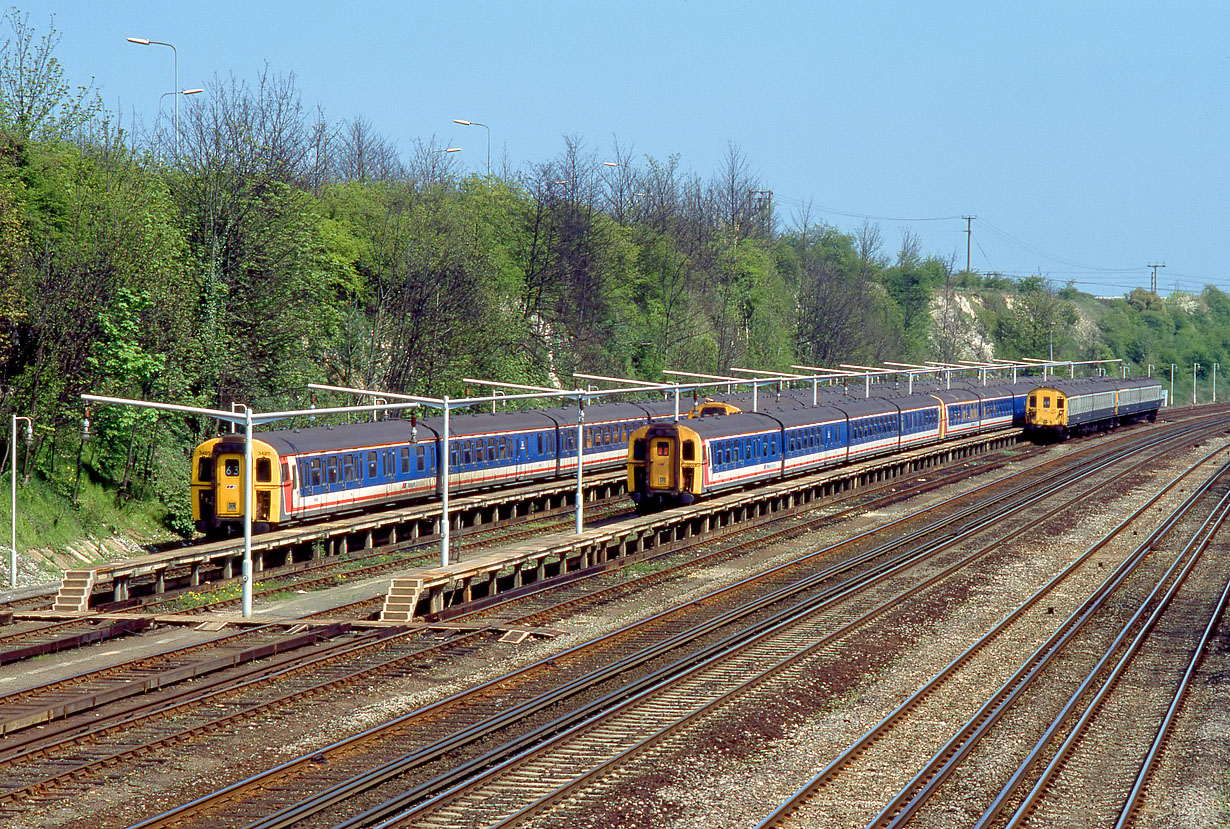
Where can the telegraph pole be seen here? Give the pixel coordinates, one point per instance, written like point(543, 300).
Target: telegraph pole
point(969, 236)
point(1155, 267)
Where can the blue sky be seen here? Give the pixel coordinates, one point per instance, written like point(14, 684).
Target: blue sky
point(1090, 139)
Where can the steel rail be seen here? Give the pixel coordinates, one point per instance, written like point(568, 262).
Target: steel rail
point(1180, 693)
point(1188, 558)
point(951, 755)
point(331, 797)
point(782, 812)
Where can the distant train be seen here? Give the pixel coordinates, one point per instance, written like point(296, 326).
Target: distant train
point(1068, 407)
point(676, 463)
point(314, 473)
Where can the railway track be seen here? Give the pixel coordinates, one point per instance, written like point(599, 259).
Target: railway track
point(226, 658)
point(1090, 653)
point(411, 743)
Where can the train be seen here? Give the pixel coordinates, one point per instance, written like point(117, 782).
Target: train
point(1068, 407)
point(323, 471)
point(676, 463)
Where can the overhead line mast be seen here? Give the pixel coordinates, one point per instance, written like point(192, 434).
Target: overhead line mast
point(969, 237)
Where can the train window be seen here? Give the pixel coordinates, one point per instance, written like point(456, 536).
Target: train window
point(205, 470)
point(373, 470)
point(638, 450)
point(231, 468)
point(541, 442)
point(467, 455)
point(1046, 402)
point(314, 472)
point(405, 459)
point(502, 445)
point(422, 458)
point(264, 470)
point(1059, 403)
point(589, 438)
point(689, 450)
point(347, 468)
point(331, 470)
point(663, 448)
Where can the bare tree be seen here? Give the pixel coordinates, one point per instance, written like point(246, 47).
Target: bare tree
point(364, 155)
point(909, 255)
point(732, 195)
point(619, 185)
point(35, 99)
point(869, 244)
point(430, 163)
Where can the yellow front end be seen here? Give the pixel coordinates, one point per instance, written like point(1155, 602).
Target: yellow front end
point(217, 485)
point(1046, 408)
point(664, 465)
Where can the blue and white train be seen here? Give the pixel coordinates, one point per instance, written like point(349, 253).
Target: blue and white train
point(676, 463)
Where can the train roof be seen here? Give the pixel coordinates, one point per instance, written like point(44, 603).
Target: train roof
point(385, 432)
point(956, 395)
point(741, 423)
point(600, 412)
point(333, 438)
point(1082, 385)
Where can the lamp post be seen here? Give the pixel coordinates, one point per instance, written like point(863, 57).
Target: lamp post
point(144, 41)
point(1215, 367)
point(1170, 400)
point(181, 92)
point(1195, 368)
point(488, 129)
point(13, 502)
point(1052, 342)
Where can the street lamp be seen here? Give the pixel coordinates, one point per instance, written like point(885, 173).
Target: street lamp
point(1052, 342)
point(1215, 367)
point(143, 41)
point(1170, 400)
point(488, 129)
point(181, 92)
point(1195, 368)
point(13, 502)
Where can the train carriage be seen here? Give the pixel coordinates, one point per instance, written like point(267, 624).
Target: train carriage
point(873, 426)
point(1001, 406)
point(962, 412)
point(320, 471)
point(1067, 407)
point(921, 419)
point(676, 462)
point(814, 438)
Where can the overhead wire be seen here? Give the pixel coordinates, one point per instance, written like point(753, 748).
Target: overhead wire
point(1003, 235)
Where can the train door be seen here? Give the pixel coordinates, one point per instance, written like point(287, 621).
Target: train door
point(228, 473)
point(522, 449)
point(662, 465)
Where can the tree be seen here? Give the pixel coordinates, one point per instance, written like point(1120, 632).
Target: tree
point(35, 99)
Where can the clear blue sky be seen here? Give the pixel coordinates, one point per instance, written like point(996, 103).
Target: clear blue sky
point(1090, 139)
